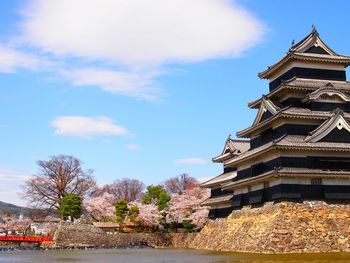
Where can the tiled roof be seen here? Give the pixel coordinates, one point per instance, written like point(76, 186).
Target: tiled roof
point(288, 172)
point(290, 112)
point(217, 200)
point(296, 141)
point(305, 85)
point(248, 154)
point(291, 142)
point(47, 219)
point(311, 40)
point(299, 51)
point(217, 180)
point(304, 56)
point(106, 224)
point(316, 83)
point(315, 172)
point(231, 149)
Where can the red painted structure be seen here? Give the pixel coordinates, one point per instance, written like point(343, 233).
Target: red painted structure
point(36, 239)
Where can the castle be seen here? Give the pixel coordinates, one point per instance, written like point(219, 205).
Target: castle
point(299, 142)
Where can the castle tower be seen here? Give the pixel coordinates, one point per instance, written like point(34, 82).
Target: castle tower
point(299, 142)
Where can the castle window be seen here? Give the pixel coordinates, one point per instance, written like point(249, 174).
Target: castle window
point(316, 181)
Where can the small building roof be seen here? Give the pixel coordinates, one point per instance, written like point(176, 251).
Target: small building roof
point(46, 219)
point(2, 220)
point(305, 50)
point(105, 224)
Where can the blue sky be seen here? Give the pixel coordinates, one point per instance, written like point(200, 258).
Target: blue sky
point(140, 90)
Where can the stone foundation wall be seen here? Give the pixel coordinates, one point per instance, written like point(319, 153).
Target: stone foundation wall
point(69, 234)
point(280, 228)
point(80, 235)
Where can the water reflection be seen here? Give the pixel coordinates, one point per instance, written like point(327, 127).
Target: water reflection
point(164, 256)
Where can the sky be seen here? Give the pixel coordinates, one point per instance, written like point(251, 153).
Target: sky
point(144, 89)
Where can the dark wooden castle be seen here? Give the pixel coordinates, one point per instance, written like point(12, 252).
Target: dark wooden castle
point(299, 142)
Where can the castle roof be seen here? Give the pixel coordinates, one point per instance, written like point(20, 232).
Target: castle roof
point(218, 200)
point(289, 112)
point(288, 172)
point(302, 85)
point(218, 180)
point(311, 49)
point(232, 148)
point(290, 142)
point(335, 121)
point(328, 90)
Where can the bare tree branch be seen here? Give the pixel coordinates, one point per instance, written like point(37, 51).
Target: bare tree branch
point(57, 177)
point(177, 184)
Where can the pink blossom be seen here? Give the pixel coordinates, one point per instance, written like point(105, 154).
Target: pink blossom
point(187, 206)
point(102, 207)
point(15, 225)
point(149, 215)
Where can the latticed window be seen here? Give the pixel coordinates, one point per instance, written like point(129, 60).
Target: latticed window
point(316, 181)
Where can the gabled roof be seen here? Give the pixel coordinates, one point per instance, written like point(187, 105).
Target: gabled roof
point(290, 142)
point(219, 179)
point(232, 148)
point(312, 40)
point(302, 51)
point(266, 105)
point(335, 121)
point(302, 85)
point(291, 113)
point(328, 90)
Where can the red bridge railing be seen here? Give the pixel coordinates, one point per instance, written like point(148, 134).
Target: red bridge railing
point(38, 239)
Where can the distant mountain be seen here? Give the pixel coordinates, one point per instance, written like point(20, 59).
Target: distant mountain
point(6, 208)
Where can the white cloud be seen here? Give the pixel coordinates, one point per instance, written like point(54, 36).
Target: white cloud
point(131, 41)
point(190, 161)
point(11, 182)
point(87, 127)
point(134, 84)
point(11, 60)
point(141, 32)
point(132, 147)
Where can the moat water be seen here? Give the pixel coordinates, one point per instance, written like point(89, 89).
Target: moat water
point(163, 256)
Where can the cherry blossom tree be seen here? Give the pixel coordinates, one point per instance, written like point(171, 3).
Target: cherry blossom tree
point(148, 215)
point(101, 208)
point(15, 225)
point(126, 188)
point(187, 207)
